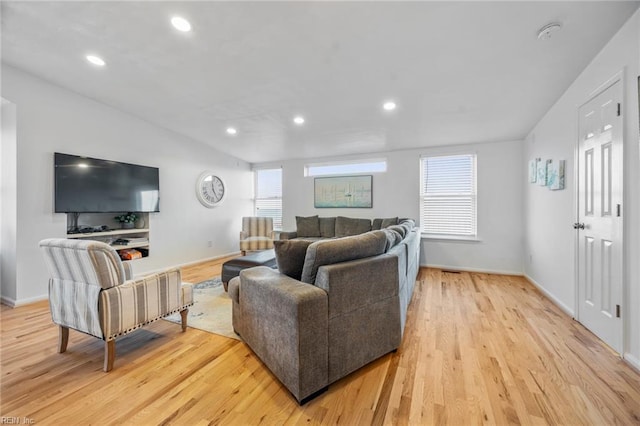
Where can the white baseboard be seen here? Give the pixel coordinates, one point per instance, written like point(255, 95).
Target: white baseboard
point(551, 297)
point(632, 361)
point(7, 301)
point(479, 270)
point(21, 302)
point(194, 262)
point(190, 263)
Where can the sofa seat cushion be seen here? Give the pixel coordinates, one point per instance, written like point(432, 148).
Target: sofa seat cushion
point(327, 252)
point(308, 226)
point(290, 255)
point(347, 226)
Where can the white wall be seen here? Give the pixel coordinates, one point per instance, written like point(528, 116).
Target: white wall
point(396, 193)
point(8, 200)
point(549, 237)
point(51, 119)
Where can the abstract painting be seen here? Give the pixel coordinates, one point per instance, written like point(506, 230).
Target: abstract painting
point(343, 192)
point(542, 172)
point(555, 174)
point(533, 170)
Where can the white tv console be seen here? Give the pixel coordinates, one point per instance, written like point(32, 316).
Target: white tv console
point(139, 235)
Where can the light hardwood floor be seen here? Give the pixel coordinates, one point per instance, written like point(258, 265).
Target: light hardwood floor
point(477, 349)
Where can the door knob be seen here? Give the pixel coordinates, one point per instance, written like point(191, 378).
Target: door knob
point(578, 225)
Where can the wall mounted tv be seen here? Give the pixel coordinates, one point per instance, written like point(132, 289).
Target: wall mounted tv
point(90, 185)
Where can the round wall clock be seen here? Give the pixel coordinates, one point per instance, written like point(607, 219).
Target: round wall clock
point(210, 189)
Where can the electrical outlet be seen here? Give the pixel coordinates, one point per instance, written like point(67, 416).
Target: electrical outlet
point(209, 244)
point(530, 258)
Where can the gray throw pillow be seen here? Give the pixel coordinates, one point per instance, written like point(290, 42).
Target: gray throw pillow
point(381, 223)
point(308, 226)
point(347, 226)
point(328, 252)
point(327, 227)
point(290, 256)
point(388, 222)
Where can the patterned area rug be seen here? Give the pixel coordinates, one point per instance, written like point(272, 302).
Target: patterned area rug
point(211, 310)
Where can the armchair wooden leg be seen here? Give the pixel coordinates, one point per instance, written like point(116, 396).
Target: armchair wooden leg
point(183, 315)
point(63, 338)
point(109, 355)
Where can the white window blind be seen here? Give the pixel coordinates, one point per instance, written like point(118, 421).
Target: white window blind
point(268, 198)
point(448, 196)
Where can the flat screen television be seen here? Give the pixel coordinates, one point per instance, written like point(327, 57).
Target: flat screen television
point(91, 185)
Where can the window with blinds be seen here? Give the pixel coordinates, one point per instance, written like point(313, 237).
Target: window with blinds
point(448, 196)
point(268, 195)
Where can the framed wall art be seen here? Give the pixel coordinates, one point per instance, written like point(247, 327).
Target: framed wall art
point(343, 192)
point(533, 170)
point(555, 174)
point(542, 172)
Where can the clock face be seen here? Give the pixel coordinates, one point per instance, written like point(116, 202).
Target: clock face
point(210, 189)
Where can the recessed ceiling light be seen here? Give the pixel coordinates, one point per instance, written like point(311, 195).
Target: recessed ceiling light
point(231, 131)
point(547, 31)
point(389, 106)
point(181, 24)
point(95, 60)
point(299, 120)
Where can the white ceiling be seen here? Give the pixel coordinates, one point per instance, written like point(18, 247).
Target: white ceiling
point(460, 72)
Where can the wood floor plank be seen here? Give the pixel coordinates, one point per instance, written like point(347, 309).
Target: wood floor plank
point(477, 349)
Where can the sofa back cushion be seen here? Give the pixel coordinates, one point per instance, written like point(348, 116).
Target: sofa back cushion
point(409, 222)
point(399, 229)
point(347, 226)
point(393, 238)
point(327, 227)
point(290, 256)
point(389, 222)
point(381, 223)
point(308, 226)
point(328, 252)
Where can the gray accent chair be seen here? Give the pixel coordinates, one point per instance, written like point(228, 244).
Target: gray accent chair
point(350, 311)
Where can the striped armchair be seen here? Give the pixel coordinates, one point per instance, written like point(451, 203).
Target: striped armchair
point(91, 290)
point(257, 234)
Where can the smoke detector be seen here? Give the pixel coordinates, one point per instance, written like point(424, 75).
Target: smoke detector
point(547, 31)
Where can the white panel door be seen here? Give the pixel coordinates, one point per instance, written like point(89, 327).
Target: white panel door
point(599, 226)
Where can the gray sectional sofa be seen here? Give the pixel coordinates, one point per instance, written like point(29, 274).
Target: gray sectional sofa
point(333, 306)
point(316, 228)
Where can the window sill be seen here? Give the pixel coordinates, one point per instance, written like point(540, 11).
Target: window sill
point(450, 238)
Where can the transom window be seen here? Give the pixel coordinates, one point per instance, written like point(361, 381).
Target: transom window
point(346, 167)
